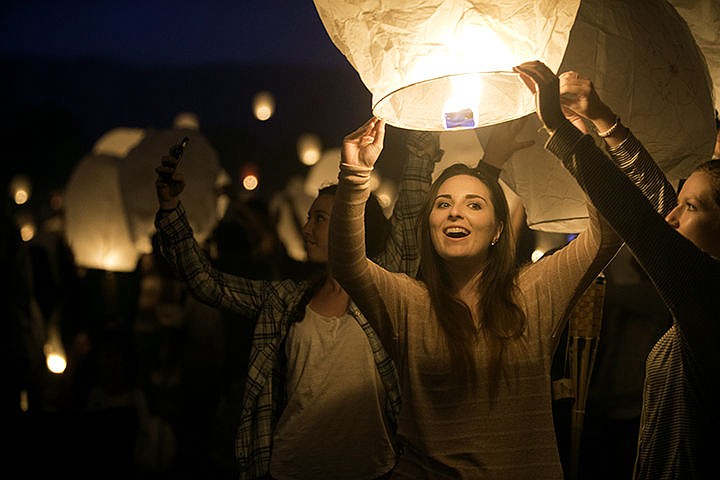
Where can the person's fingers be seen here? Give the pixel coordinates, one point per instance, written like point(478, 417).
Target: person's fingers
point(380, 133)
point(362, 130)
point(527, 80)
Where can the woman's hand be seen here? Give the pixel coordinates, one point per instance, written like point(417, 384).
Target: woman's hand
point(579, 98)
point(169, 183)
point(542, 82)
point(363, 146)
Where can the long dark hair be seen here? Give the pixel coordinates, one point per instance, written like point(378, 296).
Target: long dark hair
point(501, 318)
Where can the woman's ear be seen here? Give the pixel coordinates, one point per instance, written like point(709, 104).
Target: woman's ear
point(501, 227)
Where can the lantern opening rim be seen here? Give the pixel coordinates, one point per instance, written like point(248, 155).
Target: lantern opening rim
point(383, 106)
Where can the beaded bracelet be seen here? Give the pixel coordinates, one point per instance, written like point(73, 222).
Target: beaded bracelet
point(610, 130)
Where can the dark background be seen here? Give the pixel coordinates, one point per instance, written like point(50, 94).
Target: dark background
point(74, 70)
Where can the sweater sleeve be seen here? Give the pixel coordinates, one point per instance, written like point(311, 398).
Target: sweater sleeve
point(367, 283)
point(685, 277)
point(636, 163)
point(189, 263)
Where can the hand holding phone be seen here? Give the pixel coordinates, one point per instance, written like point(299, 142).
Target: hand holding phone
point(176, 151)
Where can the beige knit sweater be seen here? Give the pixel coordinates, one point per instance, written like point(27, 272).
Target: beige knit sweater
point(445, 432)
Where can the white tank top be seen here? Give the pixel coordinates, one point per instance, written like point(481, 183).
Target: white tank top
point(333, 425)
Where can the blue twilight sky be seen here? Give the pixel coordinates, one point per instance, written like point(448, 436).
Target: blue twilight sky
point(184, 32)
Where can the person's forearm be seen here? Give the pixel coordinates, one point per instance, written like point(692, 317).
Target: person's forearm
point(347, 228)
point(625, 206)
point(169, 205)
point(638, 165)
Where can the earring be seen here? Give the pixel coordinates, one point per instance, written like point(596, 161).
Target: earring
point(492, 244)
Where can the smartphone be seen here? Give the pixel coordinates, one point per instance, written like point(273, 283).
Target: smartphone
point(176, 151)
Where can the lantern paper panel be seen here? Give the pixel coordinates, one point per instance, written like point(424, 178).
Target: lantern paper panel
point(201, 167)
point(652, 75)
point(439, 65)
point(95, 221)
point(703, 19)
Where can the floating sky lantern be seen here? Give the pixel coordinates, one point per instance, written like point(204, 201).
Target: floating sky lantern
point(118, 142)
point(95, 219)
point(20, 189)
point(263, 105)
point(309, 148)
point(438, 65)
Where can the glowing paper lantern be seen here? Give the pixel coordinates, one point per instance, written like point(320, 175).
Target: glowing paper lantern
point(263, 105)
point(20, 189)
point(436, 65)
point(309, 148)
point(95, 222)
point(652, 74)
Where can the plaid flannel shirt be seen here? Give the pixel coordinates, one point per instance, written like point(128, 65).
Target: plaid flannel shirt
point(272, 303)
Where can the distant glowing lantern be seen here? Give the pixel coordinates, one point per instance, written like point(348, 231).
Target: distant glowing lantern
point(309, 148)
point(20, 189)
point(26, 225)
point(55, 357)
point(263, 105)
point(110, 200)
point(249, 176)
point(95, 220)
point(250, 182)
point(438, 65)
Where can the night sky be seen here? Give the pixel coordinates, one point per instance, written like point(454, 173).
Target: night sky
point(182, 32)
point(77, 69)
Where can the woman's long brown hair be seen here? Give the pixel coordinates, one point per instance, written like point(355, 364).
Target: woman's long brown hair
point(501, 318)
